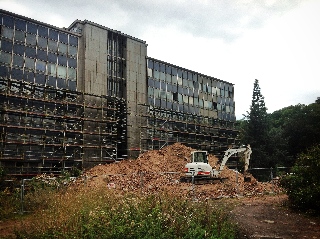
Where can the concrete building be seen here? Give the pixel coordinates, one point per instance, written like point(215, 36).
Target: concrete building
point(87, 94)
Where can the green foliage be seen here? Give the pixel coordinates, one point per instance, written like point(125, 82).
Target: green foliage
point(254, 129)
point(102, 214)
point(303, 185)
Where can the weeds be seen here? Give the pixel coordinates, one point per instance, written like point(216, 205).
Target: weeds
point(102, 213)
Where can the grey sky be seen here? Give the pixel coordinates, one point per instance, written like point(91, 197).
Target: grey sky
point(275, 41)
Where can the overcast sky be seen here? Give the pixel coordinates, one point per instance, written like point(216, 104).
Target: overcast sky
point(274, 41)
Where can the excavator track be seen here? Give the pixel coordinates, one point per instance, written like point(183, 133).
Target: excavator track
point(202, 180)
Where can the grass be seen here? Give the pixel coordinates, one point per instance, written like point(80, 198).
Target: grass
point(102, 213)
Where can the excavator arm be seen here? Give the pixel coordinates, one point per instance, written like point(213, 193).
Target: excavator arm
point(247, 152)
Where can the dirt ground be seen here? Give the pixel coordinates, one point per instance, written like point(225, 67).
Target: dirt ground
point(257, 208)
point(269, 217)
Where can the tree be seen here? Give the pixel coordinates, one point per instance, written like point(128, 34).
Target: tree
point(303, 185)
point(255, 129)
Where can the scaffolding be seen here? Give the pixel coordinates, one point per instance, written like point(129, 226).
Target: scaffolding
point(46, 130)
point(165, 127)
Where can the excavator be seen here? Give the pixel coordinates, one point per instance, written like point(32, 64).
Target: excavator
point(200, 171)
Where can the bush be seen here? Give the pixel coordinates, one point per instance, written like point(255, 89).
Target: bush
point(303, 184)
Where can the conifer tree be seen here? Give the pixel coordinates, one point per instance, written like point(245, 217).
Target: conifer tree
point(256, 129)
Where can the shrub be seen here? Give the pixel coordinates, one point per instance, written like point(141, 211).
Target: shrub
point(303, 184)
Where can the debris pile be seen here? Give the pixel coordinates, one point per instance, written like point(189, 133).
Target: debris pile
point(160, 170)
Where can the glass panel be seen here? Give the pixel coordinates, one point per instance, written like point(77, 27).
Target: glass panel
point(8, 21)
point(29, 63)
point(73, 50)
point(73, 40)
point(156, 66)
point(62, 72)
point(42, 42)
point(52, 81)
point(61, 83)
point(19, 36)
point(52, 57)
point(30, 52)
point(43, 31)
point(40, 79)
point(162, 76)
point(5, 57)
point(7, 32)
point(52, 45)
point(72, 85)
point(31, 39)
point(17, 74)
point(72, 62)
point(72, 73)
point(63, 37)
point(150, 64)
point(53, 34)
point(18, 49)
point(156, 74)
point(63, 48)
point(42, 55)
point(41, 66)
point(21, 25)
point(18, 60)
point(51, 69)
point(62, 60)
point(29, 76)
point(32, 28)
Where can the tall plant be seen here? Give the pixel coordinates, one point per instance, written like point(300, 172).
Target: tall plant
point(255, 128)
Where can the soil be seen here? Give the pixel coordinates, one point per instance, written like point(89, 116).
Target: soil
point(258, 208)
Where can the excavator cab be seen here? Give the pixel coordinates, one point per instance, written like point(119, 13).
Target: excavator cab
point(199, 157)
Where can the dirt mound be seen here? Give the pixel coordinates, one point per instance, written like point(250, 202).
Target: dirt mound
point(160, 170)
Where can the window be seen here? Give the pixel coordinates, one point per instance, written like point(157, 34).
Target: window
point(29, 63)
point(62, 60)
point(32, 28)
point(41, 66)
point(7, 32)
point(51, 69)
point(52, 45)
point(42, 55)
point(72, 85)
point(73, 40)
point(8, 21)
point(5, 57)
point(30, 52)
point(43, 31)
point(72, 62)
point(42, 43)
point(72, 73)
point(72, 50)
point(20, 25)
point(17, 74)
point(40, 79)
point(17, 60)
point(31, 39)
point(63, 37)
point(53, 34)
point(62, 72)
point(18, 49)
point(6, 46)
point(19, 36)
point(63, 48)
point(52, 57)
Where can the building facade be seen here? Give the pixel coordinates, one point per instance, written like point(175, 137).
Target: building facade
point(87, 94)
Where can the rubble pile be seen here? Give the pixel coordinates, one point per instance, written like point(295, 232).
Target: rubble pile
point(160, 170)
